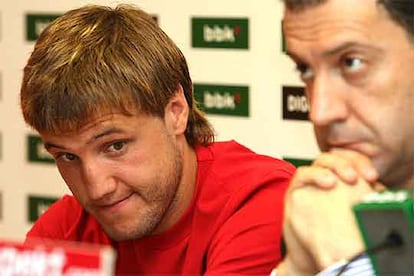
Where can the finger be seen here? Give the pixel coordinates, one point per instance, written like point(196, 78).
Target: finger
point(301, 259)
point(379, 187)
point(341, 166)
point(316, 176)
point(360, 162)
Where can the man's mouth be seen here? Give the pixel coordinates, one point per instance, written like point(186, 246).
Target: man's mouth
point(358, 146)
point(114, 205)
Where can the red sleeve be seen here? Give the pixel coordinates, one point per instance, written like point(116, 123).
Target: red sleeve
point(67, 220)
point(249, 242)
point(54, 223)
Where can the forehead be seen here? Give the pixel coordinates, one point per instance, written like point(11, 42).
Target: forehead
point(335, 21)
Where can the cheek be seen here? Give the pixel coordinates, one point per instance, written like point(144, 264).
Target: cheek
point(144, 164)
point(136, 172)
point(390, 110)
point(72, 179)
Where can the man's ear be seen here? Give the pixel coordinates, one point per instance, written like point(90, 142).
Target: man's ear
point(176, 112)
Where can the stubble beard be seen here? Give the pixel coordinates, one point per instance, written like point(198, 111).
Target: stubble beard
point(159, 199)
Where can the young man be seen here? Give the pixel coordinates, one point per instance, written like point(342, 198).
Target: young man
point(356, 58)
point(111, 97)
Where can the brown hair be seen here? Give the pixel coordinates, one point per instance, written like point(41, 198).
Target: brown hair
point(97, 59)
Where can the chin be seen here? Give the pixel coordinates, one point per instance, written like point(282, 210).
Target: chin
point(126, 234)
point(132, 229)
point(386, 171)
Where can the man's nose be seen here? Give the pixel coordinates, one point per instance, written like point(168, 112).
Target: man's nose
point(97, 179)
point(327, 100)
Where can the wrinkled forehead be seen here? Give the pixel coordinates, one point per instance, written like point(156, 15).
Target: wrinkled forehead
point(324, 27)
point(337, 14)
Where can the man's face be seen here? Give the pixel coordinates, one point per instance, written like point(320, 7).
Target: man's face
point(358, 67)
point(124, 170)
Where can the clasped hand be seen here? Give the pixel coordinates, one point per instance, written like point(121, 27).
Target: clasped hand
point(319, 225)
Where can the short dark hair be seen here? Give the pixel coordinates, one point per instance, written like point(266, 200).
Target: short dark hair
point(401, 11)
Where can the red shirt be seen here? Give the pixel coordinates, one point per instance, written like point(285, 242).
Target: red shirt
point(232, 226)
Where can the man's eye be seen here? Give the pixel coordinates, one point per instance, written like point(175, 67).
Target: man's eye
point(304, 71)
point(117, 146)
point(352, 64)
point(67, 157)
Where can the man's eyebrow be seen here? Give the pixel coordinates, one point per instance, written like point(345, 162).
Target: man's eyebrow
point(336, 50)
point(105, 132)
point(292, 55)
point(348, 45)
point(296, 59)
point(329, 52)
point(49, 145)
point(340, 48)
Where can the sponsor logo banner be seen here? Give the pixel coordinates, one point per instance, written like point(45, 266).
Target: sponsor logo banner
point(36, 23)
point(222, 99)
point(42, 257)
point(298, 162)
point(220, 32)
point(38, 205)
point(295, 104)
point(36, 152)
